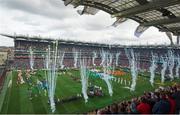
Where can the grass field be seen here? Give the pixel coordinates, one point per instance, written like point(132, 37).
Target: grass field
point(17, 98)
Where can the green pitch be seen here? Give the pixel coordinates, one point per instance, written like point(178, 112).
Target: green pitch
point(17, 99)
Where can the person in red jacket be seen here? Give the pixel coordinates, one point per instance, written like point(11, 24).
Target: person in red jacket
point(144, 107)
point(172, 103)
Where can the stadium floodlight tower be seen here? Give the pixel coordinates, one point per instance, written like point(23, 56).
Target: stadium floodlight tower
point(51, 63)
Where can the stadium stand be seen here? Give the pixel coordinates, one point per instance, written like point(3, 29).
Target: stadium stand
point(39, 46)
point(164, 100)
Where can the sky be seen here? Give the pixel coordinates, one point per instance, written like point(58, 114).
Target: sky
point(50, 18)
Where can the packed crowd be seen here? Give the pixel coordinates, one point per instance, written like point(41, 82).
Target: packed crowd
point(25, 45)
point(161, 101)
point(20, 62)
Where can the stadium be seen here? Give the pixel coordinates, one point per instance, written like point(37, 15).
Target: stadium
point(40, 75)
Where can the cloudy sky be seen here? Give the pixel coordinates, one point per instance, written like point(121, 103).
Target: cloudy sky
point(50, 18)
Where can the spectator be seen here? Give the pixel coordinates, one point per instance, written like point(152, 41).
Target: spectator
point(121, 108)
point(162, 101)
point(113, 109)
point(176, 96)
point(133, 106)
point(144, 107)
point(162, 106)
point(172, 103)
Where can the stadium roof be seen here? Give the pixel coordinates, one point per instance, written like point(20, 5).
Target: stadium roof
point(163, 14)
point(79, 43)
